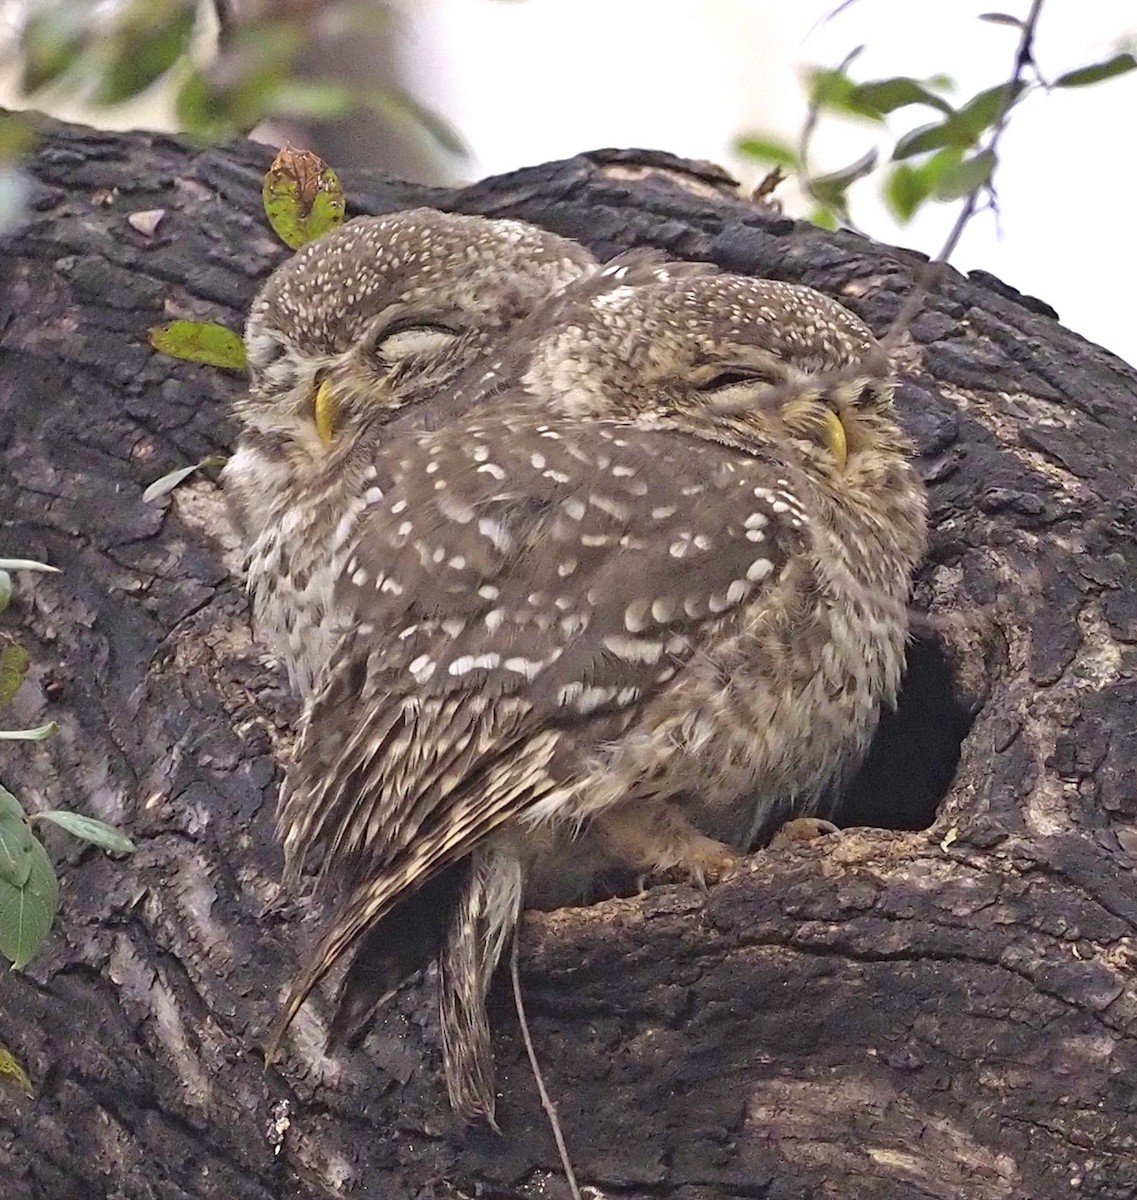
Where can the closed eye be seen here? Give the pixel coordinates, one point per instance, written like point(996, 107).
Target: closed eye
point(734, 377)
point(406, 341)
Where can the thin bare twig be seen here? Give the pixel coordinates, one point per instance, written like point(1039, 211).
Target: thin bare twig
point(929, 277)
point(546, 1101)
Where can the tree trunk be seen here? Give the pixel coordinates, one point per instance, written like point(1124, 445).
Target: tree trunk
point(938, 1003)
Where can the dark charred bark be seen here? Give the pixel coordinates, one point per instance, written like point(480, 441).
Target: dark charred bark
point(940, 1005)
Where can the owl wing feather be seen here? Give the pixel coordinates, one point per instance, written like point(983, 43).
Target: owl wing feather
point(554, 581)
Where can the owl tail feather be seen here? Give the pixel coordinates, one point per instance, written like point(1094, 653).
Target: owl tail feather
point(485, 917)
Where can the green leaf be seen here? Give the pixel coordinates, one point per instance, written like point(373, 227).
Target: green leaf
point(311, 99)
point(52, 42)
point(983, 111)
point(169, 481)
point(13, 668)
point(881, 96)
point(29, 735)
point(831, 89)
point(90, 829)
point(200, 341)
point(16, 840)
point(17, 136)
point(12, 1074)
point(1119, 64)
point(824, 217)
point(146, 40)
point(830, 189)
point(5, 590)
point(931, 137)
point(25, 564)
point(905, 189)
point(235, 92)
point(303, 197)
point(767, 150)
point(961, 179)
point(26, 912)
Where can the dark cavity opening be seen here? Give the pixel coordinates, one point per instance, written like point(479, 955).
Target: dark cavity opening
point(913, 758)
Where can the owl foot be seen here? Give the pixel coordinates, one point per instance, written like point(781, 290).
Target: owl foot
point(701, 862)
point(801, 829)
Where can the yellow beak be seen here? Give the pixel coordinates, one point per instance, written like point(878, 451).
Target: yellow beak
point(326, 412)
point(835, 441)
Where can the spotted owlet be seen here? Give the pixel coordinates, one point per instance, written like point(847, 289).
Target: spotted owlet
point(651, 596)
point(378, 315)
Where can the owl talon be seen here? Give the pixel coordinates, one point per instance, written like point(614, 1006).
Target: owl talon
point(801, 829)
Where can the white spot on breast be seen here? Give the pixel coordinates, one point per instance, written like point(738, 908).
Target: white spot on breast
point(494, 618)
point(373, 495)
point(556, 476)
point(663, 511)
point(566, 568)
point(613, 508)
point(637, 616)
point(528, 667)
point(631, 649)
point(474, 662)
point(495, 531)
point(759, 569)
point(664, 609)
point(398, 507)
point(574, 509)
point(538, 461)
point(488, 592)
point(453, 626)
point(359, 578)
point(492, 469)
point(389, 585)
point(422, 668)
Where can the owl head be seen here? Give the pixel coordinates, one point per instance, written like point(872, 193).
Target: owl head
point(385, 310)
point(723, 356)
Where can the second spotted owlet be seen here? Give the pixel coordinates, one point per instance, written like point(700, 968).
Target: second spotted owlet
point(380, 314)
point(652, 595)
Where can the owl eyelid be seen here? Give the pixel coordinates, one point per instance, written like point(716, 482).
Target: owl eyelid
point(407, 336)
point(733, 377)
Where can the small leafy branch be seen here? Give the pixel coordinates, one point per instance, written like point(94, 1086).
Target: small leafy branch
point(110, 53)
point(948, 153)
point(303, 199)
point(29, 891)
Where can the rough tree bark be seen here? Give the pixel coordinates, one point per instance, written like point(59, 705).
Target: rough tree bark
point(940, 1003)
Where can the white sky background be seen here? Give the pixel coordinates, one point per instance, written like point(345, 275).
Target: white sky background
point(525, 81)
point(542, 79)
